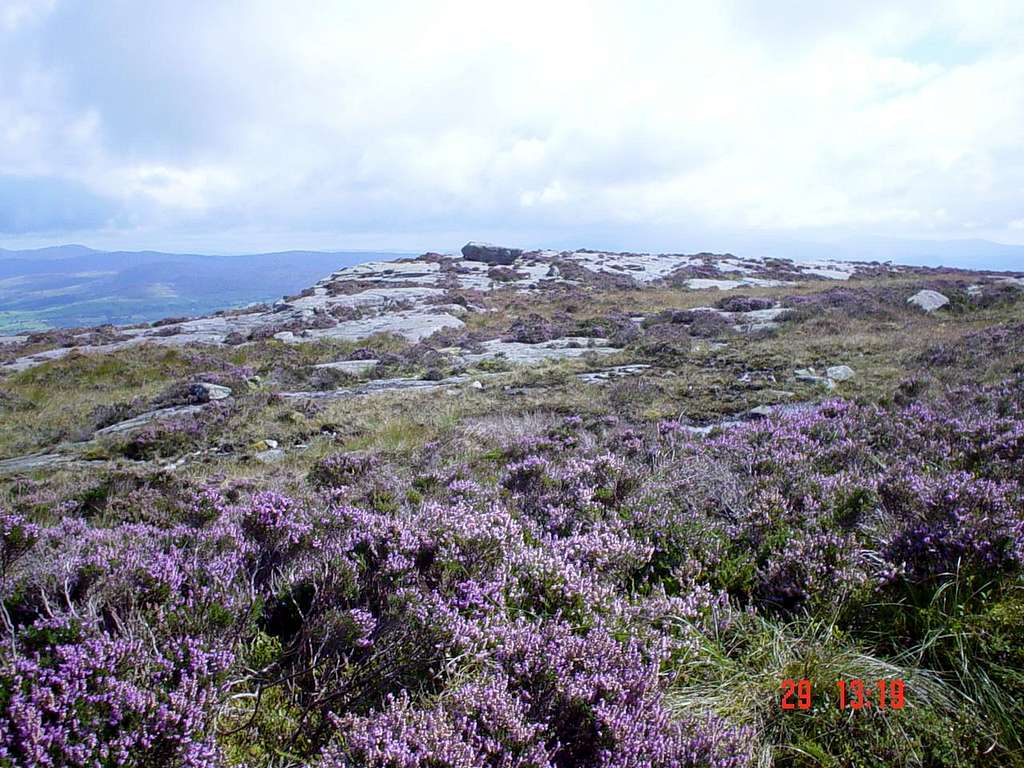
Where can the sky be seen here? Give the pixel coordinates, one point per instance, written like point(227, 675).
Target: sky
point(257, 125)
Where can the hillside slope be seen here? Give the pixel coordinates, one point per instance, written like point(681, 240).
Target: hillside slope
point(525, 509)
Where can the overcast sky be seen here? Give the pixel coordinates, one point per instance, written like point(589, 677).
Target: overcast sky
point(258, 124)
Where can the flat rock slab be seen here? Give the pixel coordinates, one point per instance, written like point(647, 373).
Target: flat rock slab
point(556, 349)
point(354, 367)
point(609, 374)
point(704, 283)
point(759, 412)
point(33, 463)
point(708, 428)
point(413, 325)
point(270, 456)
point(129, 425)
point(377, 387)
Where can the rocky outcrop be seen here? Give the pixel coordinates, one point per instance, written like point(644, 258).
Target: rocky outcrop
point(490, 254)
point(413, 298)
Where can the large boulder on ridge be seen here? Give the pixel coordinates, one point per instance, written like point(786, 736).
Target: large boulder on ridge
point(490, 254)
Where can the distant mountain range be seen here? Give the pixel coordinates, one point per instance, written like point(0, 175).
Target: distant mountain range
point(71, 285)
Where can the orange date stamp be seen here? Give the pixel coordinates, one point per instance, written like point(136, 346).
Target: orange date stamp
point(852, 694)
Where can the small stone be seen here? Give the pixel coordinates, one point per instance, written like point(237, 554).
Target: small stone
point(477, 385)
point(840, 372)
point(929, 301)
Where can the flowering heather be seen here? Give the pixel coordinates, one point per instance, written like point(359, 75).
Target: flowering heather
point(533, 610)
point(74, 700)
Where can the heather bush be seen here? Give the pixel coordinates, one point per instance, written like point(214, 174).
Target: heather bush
point(73, 698)
point(340, 470)
point(534, 329)
point(594, 591)
point(743, 303)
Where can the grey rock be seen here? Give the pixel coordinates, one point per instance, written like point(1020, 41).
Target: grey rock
point(808, 374)
point(609, 374)
point(490, 254)
point(708, 428)
point(929, 301)
point(353, 367)
point(270, 456)
point(204, 392)
point(840, 372)
point(33, 463)
point(376, 387)
point(556, 349)
point(756, 319)
point(764, 411)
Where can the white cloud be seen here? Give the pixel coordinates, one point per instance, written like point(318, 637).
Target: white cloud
point(15, 13)
point(562, 118)
point(183, 188)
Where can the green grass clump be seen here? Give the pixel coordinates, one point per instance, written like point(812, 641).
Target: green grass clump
point(737, 673)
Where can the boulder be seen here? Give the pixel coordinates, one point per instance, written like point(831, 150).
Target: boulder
point(840, 372)
point(929, 301)
point(490, 254)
